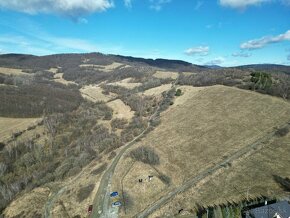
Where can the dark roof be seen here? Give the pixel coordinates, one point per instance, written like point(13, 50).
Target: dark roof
point(281, 208)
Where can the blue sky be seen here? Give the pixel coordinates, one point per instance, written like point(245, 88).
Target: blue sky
point(222, 32)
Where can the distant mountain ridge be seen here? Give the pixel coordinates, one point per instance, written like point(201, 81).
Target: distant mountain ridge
point(26, 61)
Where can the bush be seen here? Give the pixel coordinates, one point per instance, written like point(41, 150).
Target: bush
point(146, 155)
point(2, 145)
point(99, 169)
point(282, 132)
point(165, 179)
point(85, 192)
point(118, 123)
point(178, 92)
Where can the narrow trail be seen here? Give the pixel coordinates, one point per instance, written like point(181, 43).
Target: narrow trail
point(257, 145)
point(101, 201)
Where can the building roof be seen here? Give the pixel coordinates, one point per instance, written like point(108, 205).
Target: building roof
point(280, 209)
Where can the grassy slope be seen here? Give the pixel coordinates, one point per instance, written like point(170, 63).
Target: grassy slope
point(201, 128)
point(12, 125)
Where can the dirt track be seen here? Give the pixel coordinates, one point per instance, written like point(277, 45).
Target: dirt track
point(194, 180)
point(101, 201)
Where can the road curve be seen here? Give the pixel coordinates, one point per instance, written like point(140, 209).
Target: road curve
point(101, 201)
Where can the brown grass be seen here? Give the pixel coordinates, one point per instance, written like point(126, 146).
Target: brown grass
point(11, 71)
point(157, 91)
point(165, 75)
point(206, 124)
point(95, 93)
point(126, 83)
point(249, 178)
point(104, 68)
point(12, 125)
point(58, 77)
point(120, 109)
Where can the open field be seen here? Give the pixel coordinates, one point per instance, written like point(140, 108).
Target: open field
point(95, 93)
point(165, 75)
point(203, 127)
point(120, 110)
point(105, 68)
point(53, 70)
point(157, 91)
point(58, 77)
point(12, 125)
point(249, 178)
point(11, 71)
point(126, 83)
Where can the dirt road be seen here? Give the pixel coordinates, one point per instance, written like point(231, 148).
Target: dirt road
point(101, 207)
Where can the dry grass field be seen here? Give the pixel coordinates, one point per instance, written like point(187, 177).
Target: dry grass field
point(203, 127)
point(95, 93)
point(165, 75)
point(11, 71)
point(120, 109)
point(53, 70)
point(246, 179)
point(104, 68)
point(157, 91)
point(12, 125)
point(126, 83)
point(58, 77)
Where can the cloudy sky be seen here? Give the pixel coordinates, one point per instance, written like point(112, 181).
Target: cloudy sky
point(213, 32)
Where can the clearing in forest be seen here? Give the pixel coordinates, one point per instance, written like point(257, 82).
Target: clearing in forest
point(13, 125)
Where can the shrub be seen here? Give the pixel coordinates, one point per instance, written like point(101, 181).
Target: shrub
point(118, 123)
point(2, 145)
point(146, 155)
point(85, 192)
point(99, 169)
point(178, 92)
point(283, 182)
point(282, 132)
point(165, 179)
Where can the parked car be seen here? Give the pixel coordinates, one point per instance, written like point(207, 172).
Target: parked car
point(90, 209)
point(114, 194)
point(116, 204)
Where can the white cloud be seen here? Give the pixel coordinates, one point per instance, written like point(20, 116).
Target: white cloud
point(158, 4)
point(262, 42)
point(216, 61)
point(69, 8)
point(200, 50)
point(240, 3)
point(241, 54)
point(128, 3)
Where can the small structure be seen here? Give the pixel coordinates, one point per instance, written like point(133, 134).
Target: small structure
point(90, 209)
point(116, 204)
point(150, 178)
point(140, 180)
point(276, 210)
point(114, 194)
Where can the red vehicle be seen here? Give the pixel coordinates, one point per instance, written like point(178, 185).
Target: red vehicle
point(90, 209)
